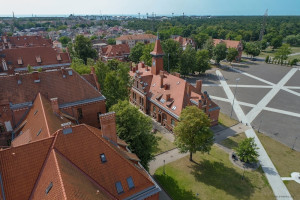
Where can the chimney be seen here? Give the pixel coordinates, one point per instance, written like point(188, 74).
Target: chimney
point(161, 73)
point(36, 77)
point(143, 65)
point(93, 72)
point(63, 72)
point(133, 69)
point(18, 78)
point(166, 86)
point(147, 68)
point(108, 126)
point(200, 104)
point(130, 66)
point(188, 89)
point(199, 85)
point(168, 96)
point(54, 105)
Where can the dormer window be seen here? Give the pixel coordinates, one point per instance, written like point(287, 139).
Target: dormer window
point(20, 61)
point(4, 65)
point(38, 59)
point(58, 57)
point(103, 158)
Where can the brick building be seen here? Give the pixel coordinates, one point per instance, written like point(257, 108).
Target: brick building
point(163, 96)
point(16, 60)
point(77, 98)
point(132, 40)
point(232, 44)
point(51, 158)
point(184, 41)
point(119, 51)
point(11, 42)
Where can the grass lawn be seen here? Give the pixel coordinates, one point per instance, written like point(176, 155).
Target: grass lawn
point(212, 176)
point(271, 53)
point(232, 142)
point(226, 121)
point(285, 160)
point(163, 143)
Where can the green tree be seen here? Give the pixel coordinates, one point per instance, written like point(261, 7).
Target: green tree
point(173, 51)
point(135, 128)
point(79, 66)
point(267, 59)
point(136, 52)
point(247, 150)
point(209, 45)
point(83, 48)
point(252, 48)
point(64, 40)
point(101, 71)
point(203, 60)
point(219, 52)
point(283, 52)
point(187, 62)
point(94, 37)
point(276, 42)
point(192, 132)
point(116, 85)
point(263, 44)
point(29, 68)
point(200, 39)
point(111, 41)
point(146, 57)
point(232, 53)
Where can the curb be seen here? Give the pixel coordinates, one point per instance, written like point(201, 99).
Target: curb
point(165, 152)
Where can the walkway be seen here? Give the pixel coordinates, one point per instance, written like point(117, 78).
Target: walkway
point(278, 187)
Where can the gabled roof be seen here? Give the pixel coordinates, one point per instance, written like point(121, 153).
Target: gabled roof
point(39, 123)
point(229, 43)
point(136, 37)
point(22, 41)
point(184, 41)
point(115, 50)
point(71, 163)
point(157, 49)
point(62, 84)
point(33, 56)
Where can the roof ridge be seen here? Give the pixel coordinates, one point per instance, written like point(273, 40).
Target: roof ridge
point(44, 114)
point(109, 144)
point(85, 174)
point(87, 82)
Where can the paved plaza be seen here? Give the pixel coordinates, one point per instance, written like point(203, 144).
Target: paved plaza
point(269, 96)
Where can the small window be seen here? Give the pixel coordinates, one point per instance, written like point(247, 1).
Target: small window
point(2, 128)
point(130, 182)
point(119, 187)
point(35, 112)
point(49, 188)
point(103, 158)
point(154, 109)
point(173, 122)
point(79, 113)
point(39, 132)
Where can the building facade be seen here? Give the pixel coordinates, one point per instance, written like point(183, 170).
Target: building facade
point(163, 96)
point(232, 44)
point(132, 40)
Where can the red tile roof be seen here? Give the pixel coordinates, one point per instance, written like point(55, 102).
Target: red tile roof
point(157, 49)
point(229, 43)
point(33, 56)
point(25, 41)
point(184, 41)
point(118, 50)
point(136, 37)
point(62, 84)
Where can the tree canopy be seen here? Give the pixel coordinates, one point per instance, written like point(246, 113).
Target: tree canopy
point(83, 48)
point(135, 128)
point(136, 52)
point(219, 52)
point(247, 150)
point(232, 53)
point(203, 60)
point(192, 132)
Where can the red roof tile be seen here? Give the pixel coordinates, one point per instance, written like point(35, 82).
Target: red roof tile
point(157, 49)
point(229, 43)
point(136, 37)
point(118, 50)
point(21, 41)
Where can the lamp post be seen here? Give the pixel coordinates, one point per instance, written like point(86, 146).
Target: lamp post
point(164, 166)
point(260, 122)
point(237, 80)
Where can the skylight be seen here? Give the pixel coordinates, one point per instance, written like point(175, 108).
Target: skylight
point(119, 187)
point(162, 100)
point(39, 132)
point(130, 182)
point(174, 108)
point(49, 188)
point(103, 158)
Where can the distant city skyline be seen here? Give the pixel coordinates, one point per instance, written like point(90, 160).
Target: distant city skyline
point(159, 7)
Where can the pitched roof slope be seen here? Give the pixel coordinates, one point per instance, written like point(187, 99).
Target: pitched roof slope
point(86, 158)
point(229, 43)
point(136, 37)
point(20, 168)
point(18, 41)
point(40, 122)
point(54, 83)
point(115, 50)
point(22, 57)
point(157, 49)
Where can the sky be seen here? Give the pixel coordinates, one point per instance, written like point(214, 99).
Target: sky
point(159, 7)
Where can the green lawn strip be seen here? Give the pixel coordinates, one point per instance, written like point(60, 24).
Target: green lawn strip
point(163, 143)
point(270, 52)
point(232, 142)
point(285, 160)
point(226, 120)
point(212, 176)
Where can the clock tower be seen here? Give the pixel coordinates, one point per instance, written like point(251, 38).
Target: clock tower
point(157, 58)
